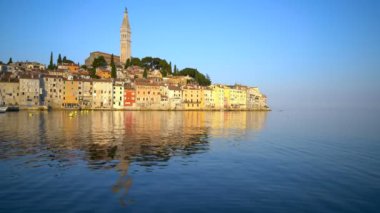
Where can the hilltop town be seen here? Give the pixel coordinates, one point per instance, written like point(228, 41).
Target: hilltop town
point(110, 82)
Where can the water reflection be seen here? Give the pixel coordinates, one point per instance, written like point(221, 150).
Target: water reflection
point(114, 140)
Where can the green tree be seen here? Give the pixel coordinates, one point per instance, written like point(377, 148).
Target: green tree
point(136, 62)
point(84, 67)
point(10, 61)
point(198, 77)
point(59, 60)
point(92, 72)
point(127, 63)
point(164, 73)
point(64, 59)
point(175, 72)
point(171, 68)
point(99, 62)
point(113, 68)
point(145, 73)
point(51, 65)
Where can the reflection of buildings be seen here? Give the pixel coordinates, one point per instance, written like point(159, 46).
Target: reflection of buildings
point(229, 124)
point(114, 139)
point(108, 135)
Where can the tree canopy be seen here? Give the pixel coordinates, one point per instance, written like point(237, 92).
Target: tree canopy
point(113, 68)
point(99, 62)
point(154, 63)
point(198, 77)
point(10, 60)
point(59, 60)
point(51, 65)
point(145, 73)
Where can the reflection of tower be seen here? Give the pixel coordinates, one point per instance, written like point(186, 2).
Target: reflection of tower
point(125, 39)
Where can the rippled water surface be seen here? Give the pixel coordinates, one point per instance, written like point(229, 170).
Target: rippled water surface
point(280, 161)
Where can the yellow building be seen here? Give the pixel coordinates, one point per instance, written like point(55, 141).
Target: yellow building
point(207, 102)
point(9, 93)
point(235, 98)
point(191, 98)
point(218, 96)
point(147, 94)
point(71, 94)
point(103, 73)
point(102, 95)
point(256, 100)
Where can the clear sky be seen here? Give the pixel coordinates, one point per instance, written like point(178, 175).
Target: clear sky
point(301, 53)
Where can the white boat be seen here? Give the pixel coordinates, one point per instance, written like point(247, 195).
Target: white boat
point(3, 109)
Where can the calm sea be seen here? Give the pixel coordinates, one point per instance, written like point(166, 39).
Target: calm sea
point(279, 161)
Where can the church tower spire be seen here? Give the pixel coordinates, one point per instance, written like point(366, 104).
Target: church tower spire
point(125, 39)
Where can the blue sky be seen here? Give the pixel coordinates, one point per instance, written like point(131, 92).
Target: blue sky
point(301, 53)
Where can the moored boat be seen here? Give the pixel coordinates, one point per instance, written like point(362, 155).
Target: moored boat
point(3, 109)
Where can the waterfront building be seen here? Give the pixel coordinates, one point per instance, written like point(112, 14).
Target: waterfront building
point(174, 94)
point(255, 99)
point(129, 96)
point(9, 93)
point(207, 99)
point(125, 39)
point(147, 94)
point(52, 91)
point(30, 91)
point(235, 98)
point(71, 92)
point(118, 95)
point(85, 95)
point(191, 97)
point(218, 96)
point(102, 94)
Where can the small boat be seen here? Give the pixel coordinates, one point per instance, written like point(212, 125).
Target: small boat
point(3, 109)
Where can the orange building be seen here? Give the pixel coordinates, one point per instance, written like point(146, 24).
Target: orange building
point(103, 73)
point(71, 67)
point(129, 96)
point(147, 94)
point(71, 94)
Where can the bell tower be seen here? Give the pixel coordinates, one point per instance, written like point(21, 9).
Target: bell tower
point(125, 39)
